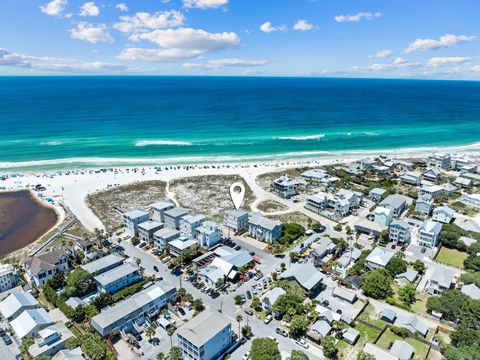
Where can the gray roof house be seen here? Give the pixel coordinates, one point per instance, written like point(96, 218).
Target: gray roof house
point(441, 280)
point(388, 315)
point(402, 350)
point(50, 340)
point(264, 229)
point(397, 203)
point(467, 240)
point(377, 193)
point(172, 217)
point(379, 258)
point(269, 298)
point(471, 290)
point(306, 275)
point(103, 264)
point(413, 324)
point(16, 303)
point(348, 256)
point(319, 329)
point(74, 354)
point(443, 214)
point(345, 294)
point(408, 276)
point(350, 335)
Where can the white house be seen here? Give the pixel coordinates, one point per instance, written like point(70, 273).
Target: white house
point(30, 322)
point(190, 223)
point(424, 204)
point(383, 216)
point(164, 236)
point(182, 244)
point(269, 298)
point(412, 178)
point(50, 340)
point(133, 218)
point(443, 214)
point(429, 233)
point(147, 228)
point(264, 229)
point(441, 280)
point(209, 234)
point(237, 220)
point(172, 217)
point(8, 277)
point(42, 268)
point(400, 232)
point(431, 174)
point(336, 205)
point(397, 203)
point(439, 160)
point(158, 209)
point(285, 187)
point(471, 200)
point(379, 258)
point(14, 304)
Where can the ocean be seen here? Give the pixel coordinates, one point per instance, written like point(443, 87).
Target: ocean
point(60, 122)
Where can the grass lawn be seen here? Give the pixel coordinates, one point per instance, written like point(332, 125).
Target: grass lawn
point(388, 337)
point(369, 315)
point(420, 306)
point(367, 334)
point(451, 257)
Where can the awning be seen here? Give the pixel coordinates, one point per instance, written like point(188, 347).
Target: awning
point(232, 274)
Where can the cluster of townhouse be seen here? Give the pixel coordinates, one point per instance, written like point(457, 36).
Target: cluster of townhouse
point(335, 205)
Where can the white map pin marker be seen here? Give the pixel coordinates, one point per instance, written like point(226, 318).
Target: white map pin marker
point(237, 192)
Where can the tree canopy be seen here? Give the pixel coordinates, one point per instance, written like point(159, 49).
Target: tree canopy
point(79, 283)
point(396, 266)
point(298, 355)
point(264, 349)
point(377, 284)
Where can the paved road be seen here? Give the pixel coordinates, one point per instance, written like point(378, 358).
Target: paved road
point(224, 303)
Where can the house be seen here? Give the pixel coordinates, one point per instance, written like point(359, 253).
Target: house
point(103, 264)
point(460, 164)
point(369, 227)
point(399, 232)
point(335, 206)
point(429, 234)
point(82, 245)
point(269, 298)
point(388, 315)
point(378, 258)
point(348, 256)
point(431, 174)
point(75, 302)
point(237, 220)
point(172, 217)
point(50, 340)
point(319, 329)
point(432, 190)
point(424, 204)
point(471, 290)
point(30, 322)
point(213, 276)
point(345, 294)
point(321, 248)
point(439, 160)
point(237, 258)
point(306, 275)
point(16, 303)
point(397, 203)
point(132, 311)
point(147, 228)
point(164, 236)
point(378, 352)
point(442, 279)
point(350, 335)
point(285, 187)
point(117, 278)
point(264, 229)
point(376, 194)
point(42, 268)
point(382, 216)
point(406, 277)
point(402, 165)
point(318, 175)
point(355, 280)
point(463, 182)
point(133, 218)
point(157, 210)
point(74, 354)
point(402, 350)
point(469, 225)
point(205, 337)
point(413, 324)
point(190, 223)
point(443, 214)
point(467, 240)
point(183, 244)
point(413, 178)
point(209, 234)
point(8, 277)
point(472, 200)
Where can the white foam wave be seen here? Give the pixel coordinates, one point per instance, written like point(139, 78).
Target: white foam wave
point(302, 138)
point(162, 142)
point(52, 143)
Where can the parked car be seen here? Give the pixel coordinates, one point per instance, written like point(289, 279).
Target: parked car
point(142, 245)
point(155, 268)
point(2, 331)
point(281, 332)
point(238, 247)
point(181, 311)
point(302, 343)
point(248, 312)
point(268, 319)
point(249, 294)
point(6, 339)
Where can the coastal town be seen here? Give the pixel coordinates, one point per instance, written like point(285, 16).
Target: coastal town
point(371, 258)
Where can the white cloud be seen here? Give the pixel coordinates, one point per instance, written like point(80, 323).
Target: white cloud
point(445, 41)
point(357, 17)
point(398, 64)
point(444, 61)
point(302, 25)
point(143, 21)
point(230, 62)
point(382, 54)
point(89, 9)
point(204, 4)
point(91, 33)
point(122, 7)
point(54, 7)
point(475, 68)
point(267, 27)
point(180, 43)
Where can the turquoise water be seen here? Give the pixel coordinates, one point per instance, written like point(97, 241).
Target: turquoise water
point(55, 122)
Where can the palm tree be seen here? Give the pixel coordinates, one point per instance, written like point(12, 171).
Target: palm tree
point(150, 331)
point(170, 333)
point(160, 356)
point(239, 319)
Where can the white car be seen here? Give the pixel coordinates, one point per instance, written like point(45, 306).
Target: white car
point(302, 343)
point(246, 356)
point(268, 319)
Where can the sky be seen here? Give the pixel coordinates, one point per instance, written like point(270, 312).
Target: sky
point(426, 39)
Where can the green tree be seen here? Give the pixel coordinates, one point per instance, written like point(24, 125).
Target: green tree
point(329, 348)
point(103, 300)
point(239, 319)
point(337, 227)
point(264, 349)
point(160, 356)
point(255, 303)
point(298, 325)
point(79, 283)
point(396, 266)
point(449, 304)
point(407, 294)
point(198, 305)
point(175, 353)
point(246, 331)
point(298, 355)
point(170, 332)
point(470, 277)
point(294, 256)
point(57, 281)
point(289, 303)
point(150, 331)
point(419, 266)
point(364, 356)
point(377, 284)
point(237, 299)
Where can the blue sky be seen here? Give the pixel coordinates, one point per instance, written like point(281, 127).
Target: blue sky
point(438, 39)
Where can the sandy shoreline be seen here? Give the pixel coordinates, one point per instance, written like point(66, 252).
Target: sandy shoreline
point(71, 187)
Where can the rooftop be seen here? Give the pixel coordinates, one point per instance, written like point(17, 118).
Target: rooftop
point(262, 221)
point(402, 350)
point(471, 290)
point(15, 302)
point(102, 263)
point(307, 275)
point(162, 205)
point(176, 212)
point(150, 225)
point(380, 256)
point(29, 320)
point(116, 273)
point(203, 327)
point(134, 214)
point(166, 233)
